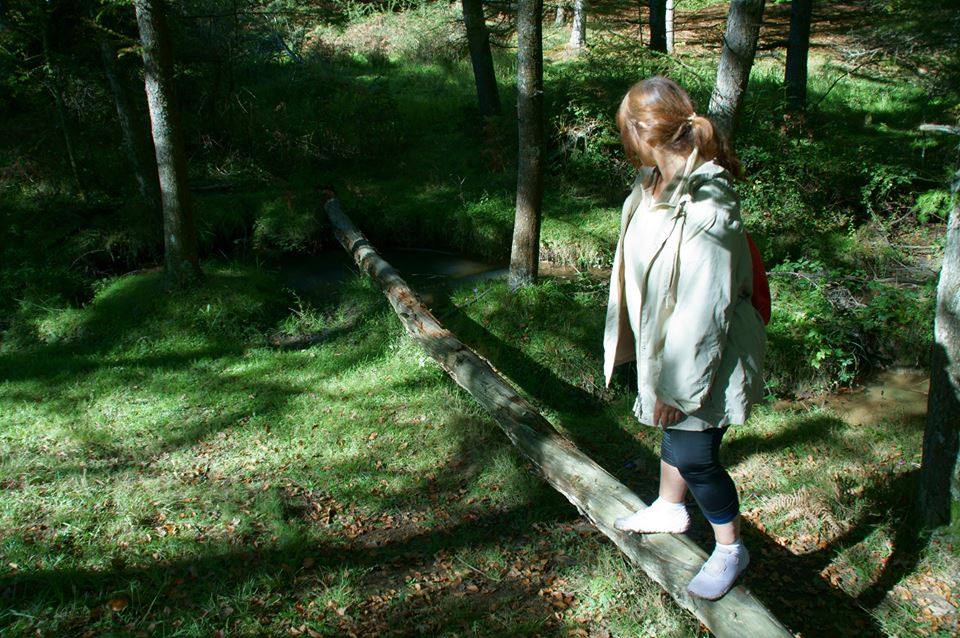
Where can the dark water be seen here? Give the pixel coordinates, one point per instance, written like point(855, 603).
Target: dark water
point(420, 267)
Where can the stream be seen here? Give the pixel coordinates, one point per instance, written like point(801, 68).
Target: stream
point(424, 269)
point(420, 267)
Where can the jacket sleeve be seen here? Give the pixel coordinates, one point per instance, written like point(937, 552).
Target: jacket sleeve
point(696, 331)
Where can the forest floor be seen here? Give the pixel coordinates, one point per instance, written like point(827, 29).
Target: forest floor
point(166, 471)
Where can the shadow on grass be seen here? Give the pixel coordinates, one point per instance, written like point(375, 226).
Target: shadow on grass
point(225, 574)
point(202, 365)
point(306, 569)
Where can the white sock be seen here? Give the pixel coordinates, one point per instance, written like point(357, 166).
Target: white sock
point(659, 502)
point(660, 516)
point(735, 546)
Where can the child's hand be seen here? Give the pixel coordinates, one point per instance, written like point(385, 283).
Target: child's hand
point(665, 415)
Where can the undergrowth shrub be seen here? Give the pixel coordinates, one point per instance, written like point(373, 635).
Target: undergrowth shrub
point(829, 326)
point(359, 296)
point(934, 204)
point(287, 224)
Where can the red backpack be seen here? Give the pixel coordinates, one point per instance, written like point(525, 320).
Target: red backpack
point(761, 287)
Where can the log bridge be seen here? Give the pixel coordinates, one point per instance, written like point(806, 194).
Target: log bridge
point(671, 560)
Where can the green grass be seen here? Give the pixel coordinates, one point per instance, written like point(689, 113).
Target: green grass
point(169, 473)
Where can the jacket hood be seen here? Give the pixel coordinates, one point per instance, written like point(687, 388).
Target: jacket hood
point(702, 171)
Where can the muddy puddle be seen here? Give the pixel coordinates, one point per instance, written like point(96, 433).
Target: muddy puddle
point(895, 393)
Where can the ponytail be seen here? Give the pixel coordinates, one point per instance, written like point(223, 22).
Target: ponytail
point(708, 140)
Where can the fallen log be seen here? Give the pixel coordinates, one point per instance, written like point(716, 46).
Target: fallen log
point(670, 560)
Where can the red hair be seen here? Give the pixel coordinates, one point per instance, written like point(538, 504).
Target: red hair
point(659, 112)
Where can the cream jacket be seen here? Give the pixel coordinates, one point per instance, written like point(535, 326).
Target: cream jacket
point(701, 343)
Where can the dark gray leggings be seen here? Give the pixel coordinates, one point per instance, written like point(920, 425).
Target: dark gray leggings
point(695, 454)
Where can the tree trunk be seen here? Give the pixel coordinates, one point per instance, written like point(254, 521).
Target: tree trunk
point(179, 236)
point(525, 251)
point(733, 73)
point(939, 500)
point(670, 560)
point(640, 5)
point(658, 25)
point(478, 39)
point(561, 16)
point(578, 32)
point(668, 24)
point(136, 142)
point(798, 47)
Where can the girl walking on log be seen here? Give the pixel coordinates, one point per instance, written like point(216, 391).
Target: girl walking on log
point(680, 306)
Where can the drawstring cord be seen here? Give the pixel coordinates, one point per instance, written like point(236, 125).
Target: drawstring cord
point(675, 268)
point(680, 211)
point(679, 202)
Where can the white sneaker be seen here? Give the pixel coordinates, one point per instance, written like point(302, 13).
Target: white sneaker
point(660, 516)
point(718, 573)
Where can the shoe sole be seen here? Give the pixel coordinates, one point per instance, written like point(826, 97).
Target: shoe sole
point(651, 530)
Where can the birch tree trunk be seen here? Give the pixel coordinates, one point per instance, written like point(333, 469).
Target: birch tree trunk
point(179, 236)
point(478, 38)
point(640, 5)
point(561, 16)
point(658, 25)
point(939, 498)
point(136, 142)
point(736, 60)
point(578, 33)
point(668, 24)
point(525, 251)
point(798, 47)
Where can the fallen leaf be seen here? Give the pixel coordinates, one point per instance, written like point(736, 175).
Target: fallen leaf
point(118, 604)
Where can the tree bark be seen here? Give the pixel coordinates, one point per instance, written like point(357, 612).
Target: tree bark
point(736, 60)
point(670, 560)
point(798, 47)
point(478, 38)
point(136, 142)
point(578, 31)
point(658, 25)
point(939, 499)
point(561, 16)
point(525, 251)
point(668, 24)
point(181, 264)
point(640, 5)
